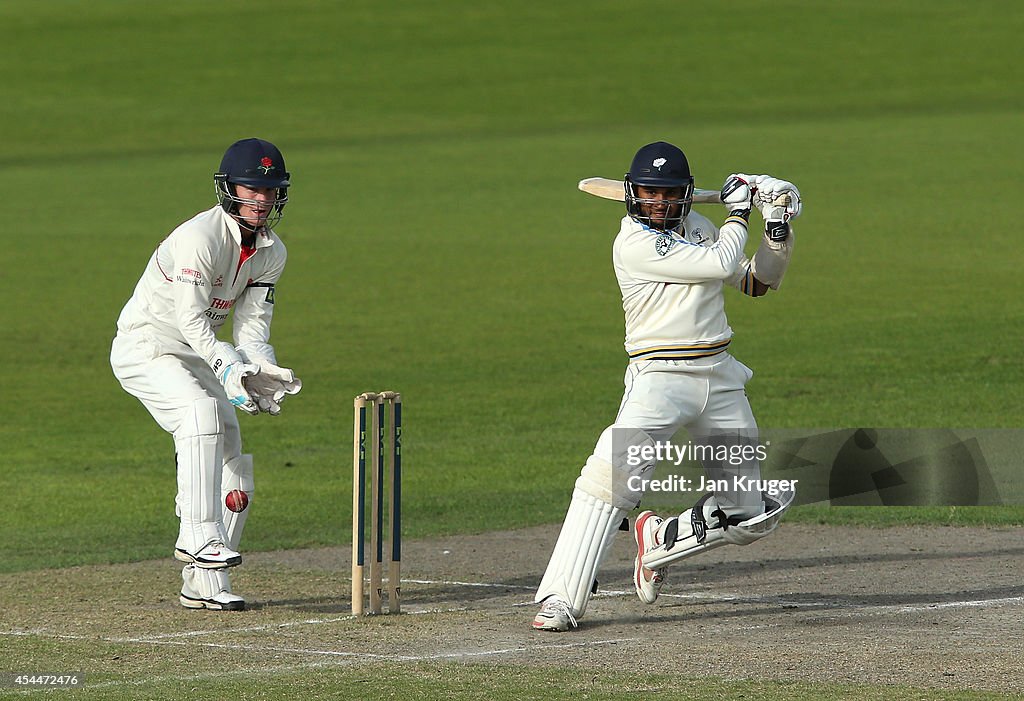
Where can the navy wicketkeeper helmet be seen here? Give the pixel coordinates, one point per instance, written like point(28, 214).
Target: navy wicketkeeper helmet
point(254, 163)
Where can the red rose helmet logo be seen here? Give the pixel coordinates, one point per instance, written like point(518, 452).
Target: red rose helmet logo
point(266, 165)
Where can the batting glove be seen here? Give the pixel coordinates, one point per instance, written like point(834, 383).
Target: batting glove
point(769, 190)
point(776, 223)
point(737, 194)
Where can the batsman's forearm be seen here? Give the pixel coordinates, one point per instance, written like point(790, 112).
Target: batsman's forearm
point(771, 260)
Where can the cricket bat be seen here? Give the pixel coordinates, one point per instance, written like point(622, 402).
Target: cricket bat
point(613, 190)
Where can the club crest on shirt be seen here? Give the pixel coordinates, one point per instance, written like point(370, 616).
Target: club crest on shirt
point(663, 244)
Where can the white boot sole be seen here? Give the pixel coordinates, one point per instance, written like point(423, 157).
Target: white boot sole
point(183, 556)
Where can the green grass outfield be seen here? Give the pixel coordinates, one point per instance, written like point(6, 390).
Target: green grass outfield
point(438, 244)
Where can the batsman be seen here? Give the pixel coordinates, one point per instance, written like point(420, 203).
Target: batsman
point(166, 353)
point(672, 265)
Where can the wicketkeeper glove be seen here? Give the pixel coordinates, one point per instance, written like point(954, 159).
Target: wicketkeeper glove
point(271, 385)
point(231, 370)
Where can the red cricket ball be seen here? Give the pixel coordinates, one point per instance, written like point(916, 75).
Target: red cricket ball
point(236, 500)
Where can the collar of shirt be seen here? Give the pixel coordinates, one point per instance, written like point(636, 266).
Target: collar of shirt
point(263, 239)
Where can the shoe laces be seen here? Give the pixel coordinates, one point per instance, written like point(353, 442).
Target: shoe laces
point(657, 576)
point(553, 607)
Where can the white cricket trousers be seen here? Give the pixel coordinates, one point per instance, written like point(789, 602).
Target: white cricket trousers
point(704, 395)
point(661, 397)
point(167, 376)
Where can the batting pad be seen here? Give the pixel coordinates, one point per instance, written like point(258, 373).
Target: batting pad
point(588, 530)
point(199, 444)
point(238, 474)
point(705, 527)
point(606, 474)
point(606, 483)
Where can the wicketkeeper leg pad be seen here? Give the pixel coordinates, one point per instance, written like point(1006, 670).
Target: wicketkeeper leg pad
point(199, 445)
point(238, 474)
point(706, 526)
point(208, 589)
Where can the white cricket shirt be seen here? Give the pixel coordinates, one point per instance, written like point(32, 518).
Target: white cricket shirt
point(197, 275)
point(671, 285)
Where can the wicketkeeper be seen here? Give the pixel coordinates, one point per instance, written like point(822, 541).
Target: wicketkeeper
point(671, 264)
point(167, 354)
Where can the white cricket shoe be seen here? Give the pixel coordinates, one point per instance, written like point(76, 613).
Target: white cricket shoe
point(212, 556)
point(208, 589)
point(554, 615)
point(647, 581)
